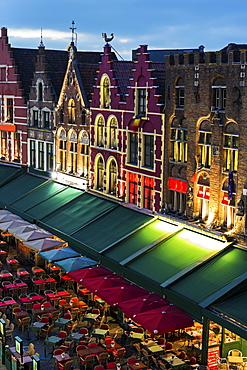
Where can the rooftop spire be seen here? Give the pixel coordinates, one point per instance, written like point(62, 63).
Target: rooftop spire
point(41, 39)
point(73, 32)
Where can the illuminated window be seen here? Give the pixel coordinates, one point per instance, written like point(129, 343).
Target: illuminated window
point(62, 151)
point(4, 145)
point(230, 147)
point(17, 146)
point(9, 110)
point(41, 155)
point(71, 111)
point(177, 201)
point(179, 144)
point(100, 174)
point(73, 153)
point(112, 137)
point(203, 195)
point(219, 94)
point(228, 201)
point(100, 132)
point(133, 148)
point(105, 92)
point(84, 152)
point(148, 151)
point(133, 188)
point(180, 93)
point(204, 145)
point(32, 153)
point(112, 178)
point(148, 193)
point(49, 156)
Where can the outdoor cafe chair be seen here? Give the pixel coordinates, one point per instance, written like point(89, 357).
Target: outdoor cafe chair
point(67, 346)
point(88, 361)
point(9, 331)
point(14, 291)
point(22, 323)
point(65, 365)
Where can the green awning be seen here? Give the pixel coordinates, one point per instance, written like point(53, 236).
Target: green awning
point(171, 256)
point(77, 213)
point(38, 196)
point(53, 203)
point(213, 275)
point(119, 222)
point(139, 240)
point(233, 307)
point(18, 187)
point(7, 172)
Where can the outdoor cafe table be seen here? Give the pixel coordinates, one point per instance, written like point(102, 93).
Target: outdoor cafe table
point(137, 366)
point(172, 360)
point(21, 314)
point(100, 333)
point(7, 303)
point(37, 327)
point(65, 278)
point(155, 349)
point(55, 269)
point(38, 271)
point(39, 311)
point(6, 275)
point(76, 337)
point(90, 317)
point(61, 323)
point(24, 359)
point(12, 261)
point(235, 359)
point(91, 351)
point(41, 281)
point(16, 285)
point(22, 274)
point(63, 293)
point(3, 255)
point(138, 336)
point(32, 299)
point(62, 358)
point(52, 341)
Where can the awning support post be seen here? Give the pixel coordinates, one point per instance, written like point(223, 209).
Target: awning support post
point(205, 336)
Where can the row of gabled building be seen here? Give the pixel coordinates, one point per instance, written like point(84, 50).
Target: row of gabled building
point(165, 131)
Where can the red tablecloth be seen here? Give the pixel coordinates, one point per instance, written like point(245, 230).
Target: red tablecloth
point(83, 291)
point(54, 268)
point(8, 303)
point(13, 260)
point(6, 274)
point(40, 281)
point(64, 293)
point(38, 270)
point(22, 273)
point(3, 252)
point(32, 299)
point(65, 277)
point(17, 285)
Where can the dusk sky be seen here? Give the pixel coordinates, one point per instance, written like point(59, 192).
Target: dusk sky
point(160, 24)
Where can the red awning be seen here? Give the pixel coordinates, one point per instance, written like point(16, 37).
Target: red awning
point(177, 185)
point(148, 302)
point(8, 127)
point(113, 296)
point(96, 283)
point(81, 274)
point(161, 321)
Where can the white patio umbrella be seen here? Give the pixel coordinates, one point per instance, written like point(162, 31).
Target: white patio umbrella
point(22, 228)
point(33, 235)
point(9, 217)
point(4, 226)
point(43, 244)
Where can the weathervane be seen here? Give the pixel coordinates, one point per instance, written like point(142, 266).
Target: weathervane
point(72, 30)
point(107, 39)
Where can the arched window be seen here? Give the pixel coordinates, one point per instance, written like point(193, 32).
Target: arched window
point(112, 178)
point(231, 147)
point(62, 151)
point(100, 132)
point(228, 201)
point(105, 92)
point(40, 91)
point(84, 151)
point(204, 145)
point(100, 174)
point(73, 152)
point(112, 133)
point(180, 93)
point(203, 195)
point(71, 111)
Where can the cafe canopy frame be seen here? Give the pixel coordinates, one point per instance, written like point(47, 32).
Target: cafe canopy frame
point(158, 253)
